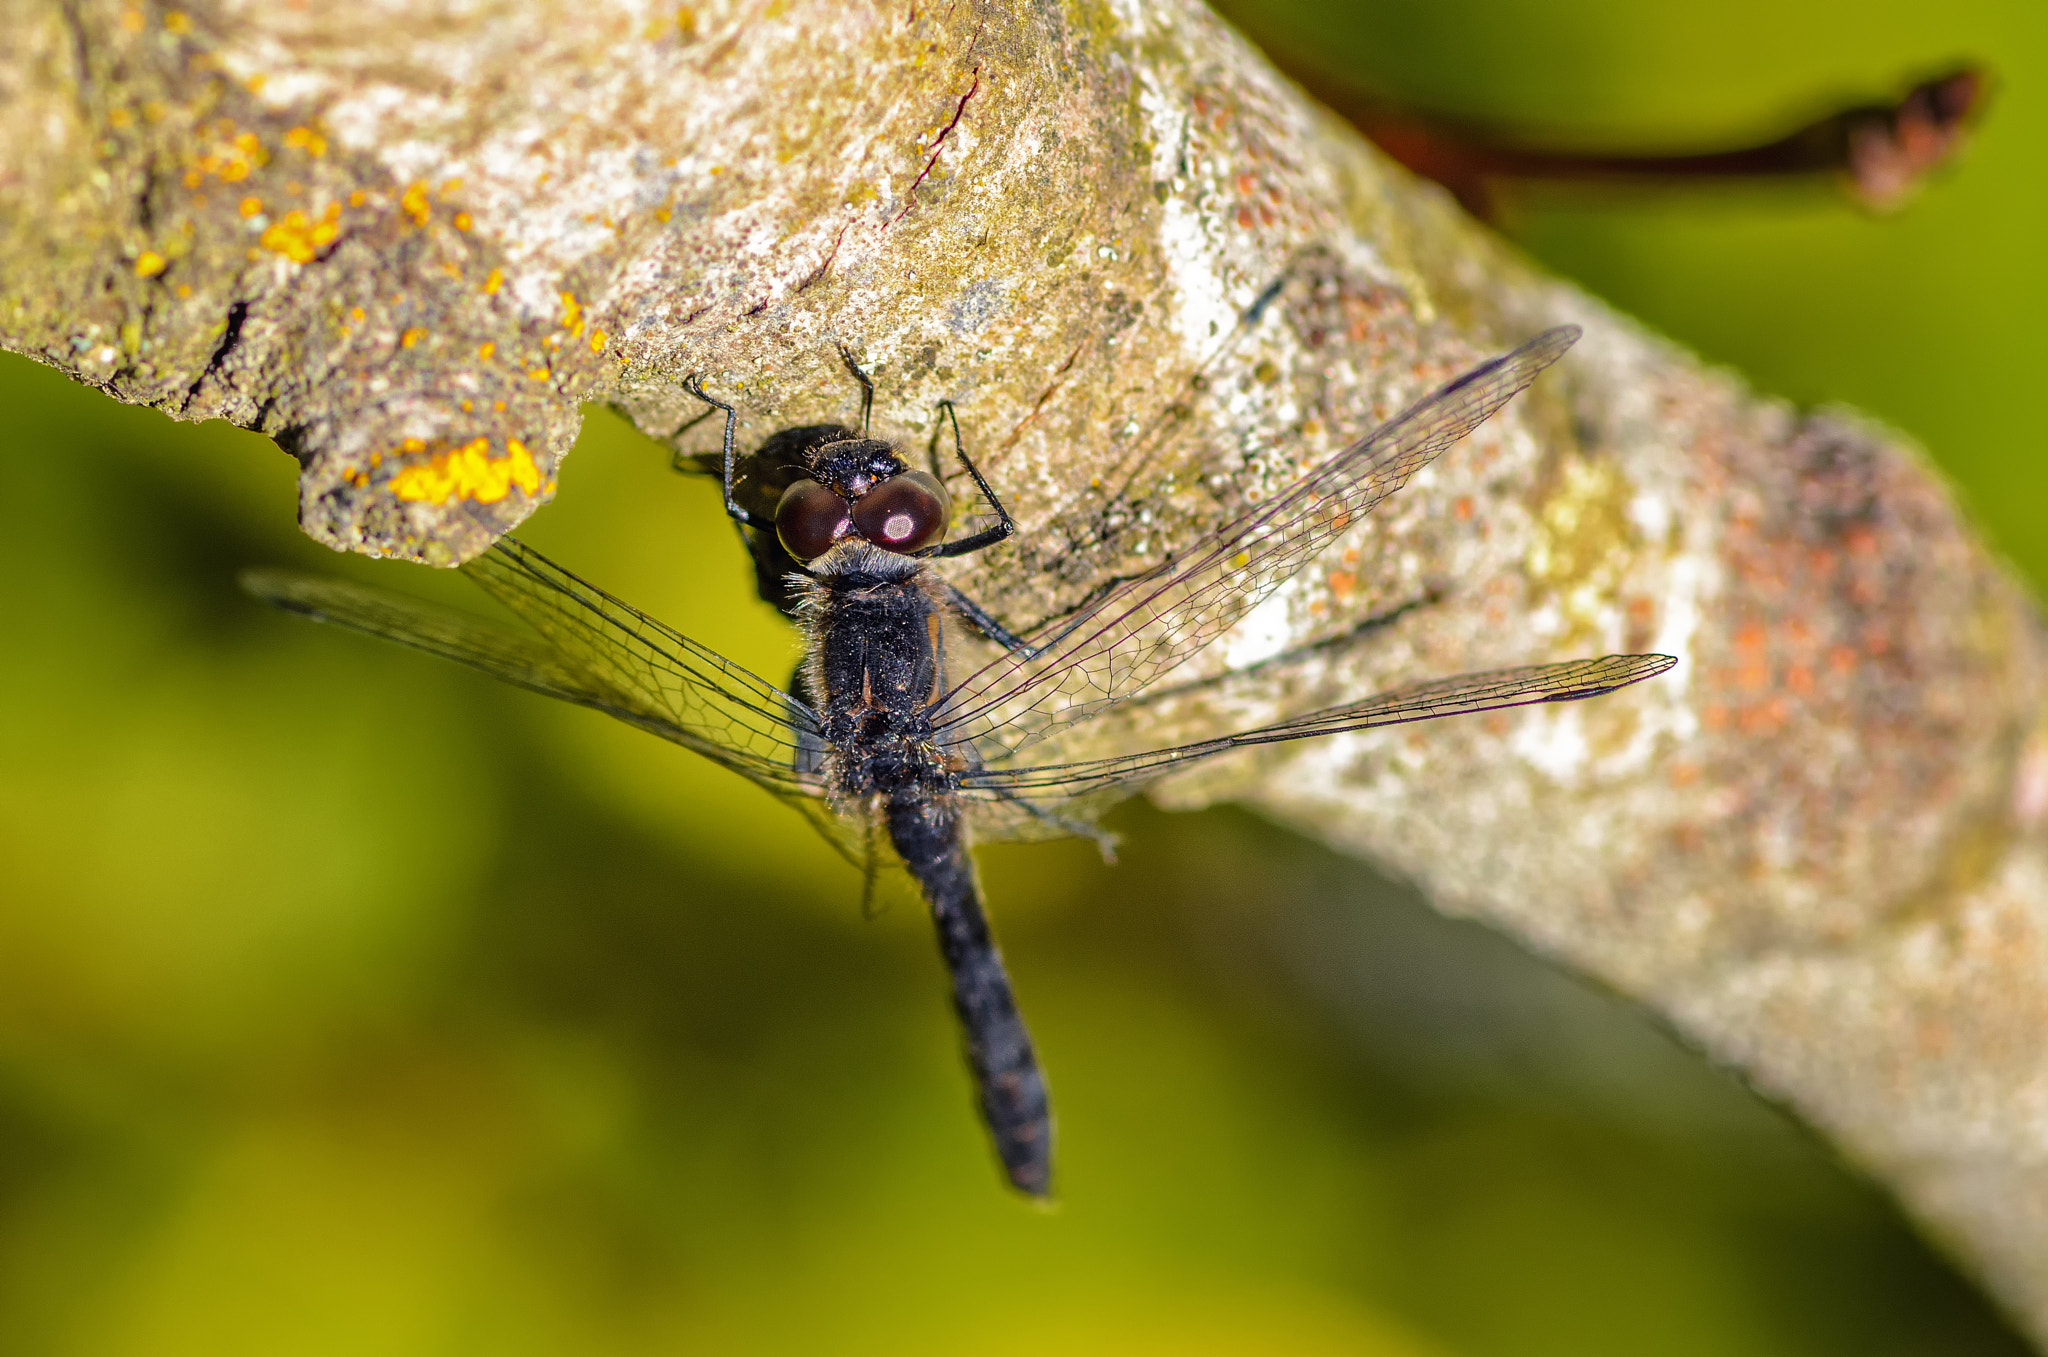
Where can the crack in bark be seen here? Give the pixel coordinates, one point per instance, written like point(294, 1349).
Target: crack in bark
point(238, 314)
point(909, 200)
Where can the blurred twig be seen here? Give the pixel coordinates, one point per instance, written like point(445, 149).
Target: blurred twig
point(1878, 153)
point(1157, 282)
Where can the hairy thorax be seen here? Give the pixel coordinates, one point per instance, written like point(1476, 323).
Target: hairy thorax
point(875, 672)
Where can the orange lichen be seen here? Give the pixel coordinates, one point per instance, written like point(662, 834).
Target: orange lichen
point(494, 282)
point(356, 314)
point(299, 238)
point(149, 264)
point(184, 290)
point(252, 207)
point(462, 221)
point(469, 472)
point(572, 314)
point(131, 19)
point(307, 140)
point(485, 353)
point(598, 339)
point(411, 337)
point(414, 203)
point(357, 198)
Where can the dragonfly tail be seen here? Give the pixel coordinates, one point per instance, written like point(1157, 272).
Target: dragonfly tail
point(1014, 1102)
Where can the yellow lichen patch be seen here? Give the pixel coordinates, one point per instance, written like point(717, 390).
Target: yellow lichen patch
point(462, 221)
point(176, 22)
point(230, 160)
point(686, 23)
point(494, 282)
point(411, 337)
point(357, 198)
point(538, 374)
point(120, 117)
point(299, 238)
point(252, 206)
point(469, 472)
point(598, 339)
point(184, 291)
point(414, 203)
point(131, 19)
point(486, 352)
point(149, 264)
point(307, 140)
point(1584, 538)
point(572, 314)
point(356, 314)
point(662, 214)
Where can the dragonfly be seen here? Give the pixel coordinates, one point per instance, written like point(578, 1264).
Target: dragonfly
point(879, 745)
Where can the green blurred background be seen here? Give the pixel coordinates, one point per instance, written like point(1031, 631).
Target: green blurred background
point(352, 1004)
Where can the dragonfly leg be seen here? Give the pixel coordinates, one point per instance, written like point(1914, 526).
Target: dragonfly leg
point(982, 621)
point(732, 419)
point(867, 387)
point(988, 537)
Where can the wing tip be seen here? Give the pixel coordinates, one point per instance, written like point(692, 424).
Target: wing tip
point(1552, 343)
point(1629, 670)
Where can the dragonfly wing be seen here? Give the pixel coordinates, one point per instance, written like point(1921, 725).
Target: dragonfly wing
point(1092, 782)
point(534, 663)
point(1122, 642)
point(703, 700)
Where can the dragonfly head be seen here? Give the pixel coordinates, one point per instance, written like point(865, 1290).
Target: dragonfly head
point(861, 488)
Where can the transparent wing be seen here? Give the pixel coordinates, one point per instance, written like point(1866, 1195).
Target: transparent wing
point(1125, 640)
point(1075, 789)
point(662, 687)
point(697, 697)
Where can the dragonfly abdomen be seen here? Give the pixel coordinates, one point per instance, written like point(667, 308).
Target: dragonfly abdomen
point(927, 834)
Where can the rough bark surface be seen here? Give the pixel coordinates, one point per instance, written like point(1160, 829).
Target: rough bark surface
point(408, 240)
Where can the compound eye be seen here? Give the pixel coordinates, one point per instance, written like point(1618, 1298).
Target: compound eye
point(809, 519)
point(906, 513)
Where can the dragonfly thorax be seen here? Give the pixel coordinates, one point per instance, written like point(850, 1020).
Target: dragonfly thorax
point(876, 669)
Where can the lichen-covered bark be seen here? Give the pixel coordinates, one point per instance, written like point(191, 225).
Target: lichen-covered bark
point(408, 240)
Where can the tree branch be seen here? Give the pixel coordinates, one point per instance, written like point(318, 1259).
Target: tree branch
point(1158, 283)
